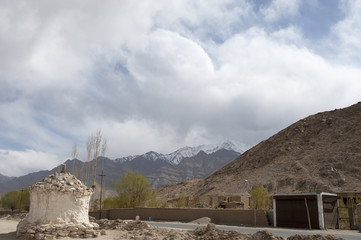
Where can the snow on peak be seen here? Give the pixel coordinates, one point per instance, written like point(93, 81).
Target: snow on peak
point(177, 156)
point(126, 159)
point(228, 145)
point(153, 156)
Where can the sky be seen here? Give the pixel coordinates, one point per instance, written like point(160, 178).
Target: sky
point(160, 75)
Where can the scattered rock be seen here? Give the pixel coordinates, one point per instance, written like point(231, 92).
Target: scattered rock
point(265, 235)
point(203, 220)
point(15, 216)
point(136, 225)
point(210, 232)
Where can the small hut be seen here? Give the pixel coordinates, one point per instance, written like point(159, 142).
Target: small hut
point(59, 207)
point(306, 210)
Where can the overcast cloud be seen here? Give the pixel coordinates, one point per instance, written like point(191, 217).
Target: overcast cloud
point(159, 75)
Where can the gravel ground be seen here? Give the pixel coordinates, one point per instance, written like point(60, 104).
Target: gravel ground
point(141, 230)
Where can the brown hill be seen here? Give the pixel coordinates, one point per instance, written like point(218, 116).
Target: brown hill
point(319, 153)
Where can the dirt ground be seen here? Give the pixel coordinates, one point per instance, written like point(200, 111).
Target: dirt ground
point(8, 231)
point(8, 228)
point(119, 229)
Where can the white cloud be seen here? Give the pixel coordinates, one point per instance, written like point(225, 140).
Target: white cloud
point(205, 19)
point(134, 137)
point(348, 34)
point(281, 77)
point(169, 58)
point(17, 163)
point(279, 9)
point(289, 36)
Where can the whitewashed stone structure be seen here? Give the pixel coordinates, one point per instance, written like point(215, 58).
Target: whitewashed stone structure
point(59, 207)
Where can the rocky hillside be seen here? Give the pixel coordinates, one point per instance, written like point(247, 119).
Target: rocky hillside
point(319, 153)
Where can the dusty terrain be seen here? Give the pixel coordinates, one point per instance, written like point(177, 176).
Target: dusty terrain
point(118, 229)
point(321, 152)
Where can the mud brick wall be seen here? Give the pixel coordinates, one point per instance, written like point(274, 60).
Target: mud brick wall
point(218, 216)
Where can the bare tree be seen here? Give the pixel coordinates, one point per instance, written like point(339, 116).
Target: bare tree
point(95, 146)
point(104, 150)
point(74, 156)
point(89, 149)
point(97, 140)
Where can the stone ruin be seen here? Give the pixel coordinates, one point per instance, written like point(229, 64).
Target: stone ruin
point(59, 207)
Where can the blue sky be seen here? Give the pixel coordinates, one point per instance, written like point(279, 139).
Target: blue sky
point(159, 75)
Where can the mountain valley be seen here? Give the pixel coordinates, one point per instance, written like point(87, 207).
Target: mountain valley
point(160, 169)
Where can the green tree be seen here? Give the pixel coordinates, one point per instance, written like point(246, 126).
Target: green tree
point(260, 198)
point(16, 200)
point(24, 200)
point(109, 203)
point(10, 200)
point(132, 190)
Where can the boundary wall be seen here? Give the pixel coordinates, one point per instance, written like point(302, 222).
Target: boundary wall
point(218, 216)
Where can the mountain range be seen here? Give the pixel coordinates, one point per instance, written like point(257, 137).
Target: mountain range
point(4, 178)
point(177, 156)
point(160, 169)
point(319, 153)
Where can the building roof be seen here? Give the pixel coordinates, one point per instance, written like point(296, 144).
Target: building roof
point(302, 195)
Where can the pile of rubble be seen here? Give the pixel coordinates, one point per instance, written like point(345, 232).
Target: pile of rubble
point(211, 232)
point(141, 230)
point(106, 224)
point(54, 231)
point(62, 182)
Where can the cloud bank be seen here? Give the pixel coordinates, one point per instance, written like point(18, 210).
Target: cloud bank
point(154, 75)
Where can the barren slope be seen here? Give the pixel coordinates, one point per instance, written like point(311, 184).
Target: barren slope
point(319, 153)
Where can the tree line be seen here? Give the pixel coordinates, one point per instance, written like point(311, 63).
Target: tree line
point(15, 200)
point(131, 190)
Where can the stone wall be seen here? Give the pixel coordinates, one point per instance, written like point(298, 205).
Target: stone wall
point(217, 216)
point(55, 231)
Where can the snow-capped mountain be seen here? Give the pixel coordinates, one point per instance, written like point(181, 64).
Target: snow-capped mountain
point(177, 156)
point(156, 167)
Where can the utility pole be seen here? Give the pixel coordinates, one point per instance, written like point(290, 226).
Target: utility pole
point(101, 193)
